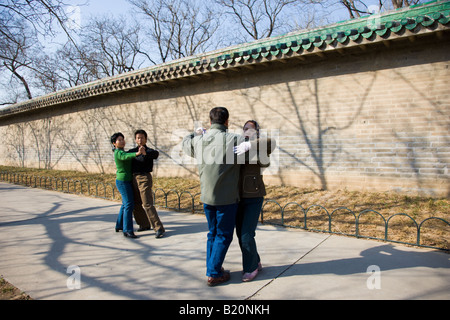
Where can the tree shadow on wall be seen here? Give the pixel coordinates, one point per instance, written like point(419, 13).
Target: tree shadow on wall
point(308, 118)
point(418, 147)
point(35, 139)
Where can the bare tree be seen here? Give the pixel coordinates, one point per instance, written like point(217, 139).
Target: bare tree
point(76, 67)
point(404, 3)
point(353, 11)
point(258, 18)
point(41, 15)
point(20, 22)
point(178, 28)
point(193, 29)
point(107, 47)
point(112, 46)
point(46, 75)
point(17, 46)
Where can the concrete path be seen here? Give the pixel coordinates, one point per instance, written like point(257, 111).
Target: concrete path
point(49, 238)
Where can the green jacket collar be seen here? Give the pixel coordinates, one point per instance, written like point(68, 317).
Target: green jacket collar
point(220, 127)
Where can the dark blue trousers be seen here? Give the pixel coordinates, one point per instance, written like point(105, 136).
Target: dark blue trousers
point(246, 221)
point(221, 222)
point(125, 218)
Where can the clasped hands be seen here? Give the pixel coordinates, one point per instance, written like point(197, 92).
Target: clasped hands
point(141, 150)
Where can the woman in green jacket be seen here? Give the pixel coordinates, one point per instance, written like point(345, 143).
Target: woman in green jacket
point(124, 184)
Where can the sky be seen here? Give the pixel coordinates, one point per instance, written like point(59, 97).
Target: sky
point(83, 9)
point(118, 7)
point(113, 6)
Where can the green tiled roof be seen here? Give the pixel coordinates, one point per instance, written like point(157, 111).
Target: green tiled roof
point(429, 17)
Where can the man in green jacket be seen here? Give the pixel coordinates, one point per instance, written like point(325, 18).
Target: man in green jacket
point(219, 176)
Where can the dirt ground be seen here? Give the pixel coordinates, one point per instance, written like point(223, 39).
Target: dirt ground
point(9, 292)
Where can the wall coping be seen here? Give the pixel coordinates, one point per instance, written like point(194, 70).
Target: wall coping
point(431, 17)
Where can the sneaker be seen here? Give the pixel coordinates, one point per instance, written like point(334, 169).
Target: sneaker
point(215, 281)
point(250, 276)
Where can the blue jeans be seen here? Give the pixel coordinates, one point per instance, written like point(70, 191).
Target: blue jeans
point(221, 222)
point(246, 222)
point(125, 218)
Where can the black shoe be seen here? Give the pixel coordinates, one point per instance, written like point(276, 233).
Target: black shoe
point(117, 230)
point(143, 229)
point(130, 235)
point(159, 234)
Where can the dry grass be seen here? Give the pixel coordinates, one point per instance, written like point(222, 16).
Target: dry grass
point(374, 209)
point(342, 207)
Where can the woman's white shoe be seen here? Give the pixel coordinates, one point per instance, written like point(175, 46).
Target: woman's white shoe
point(249, 276)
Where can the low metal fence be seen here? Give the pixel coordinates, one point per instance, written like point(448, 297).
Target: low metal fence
point(304, 218)
point(89, 188)
point(305, 221)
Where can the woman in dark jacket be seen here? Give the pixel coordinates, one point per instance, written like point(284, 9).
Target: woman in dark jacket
point(251, 194)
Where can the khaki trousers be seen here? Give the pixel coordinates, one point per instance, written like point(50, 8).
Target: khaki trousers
point(144, 211)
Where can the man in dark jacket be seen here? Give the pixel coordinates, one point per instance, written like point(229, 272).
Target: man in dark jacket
point(144, 211)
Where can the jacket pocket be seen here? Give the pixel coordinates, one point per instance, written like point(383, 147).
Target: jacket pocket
point(251, 184)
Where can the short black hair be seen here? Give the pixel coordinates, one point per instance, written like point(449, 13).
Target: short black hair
point(115, 136)
point(218, 115)
point(140, 131)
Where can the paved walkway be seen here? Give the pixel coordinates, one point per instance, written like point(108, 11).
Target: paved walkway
point(43, 233)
